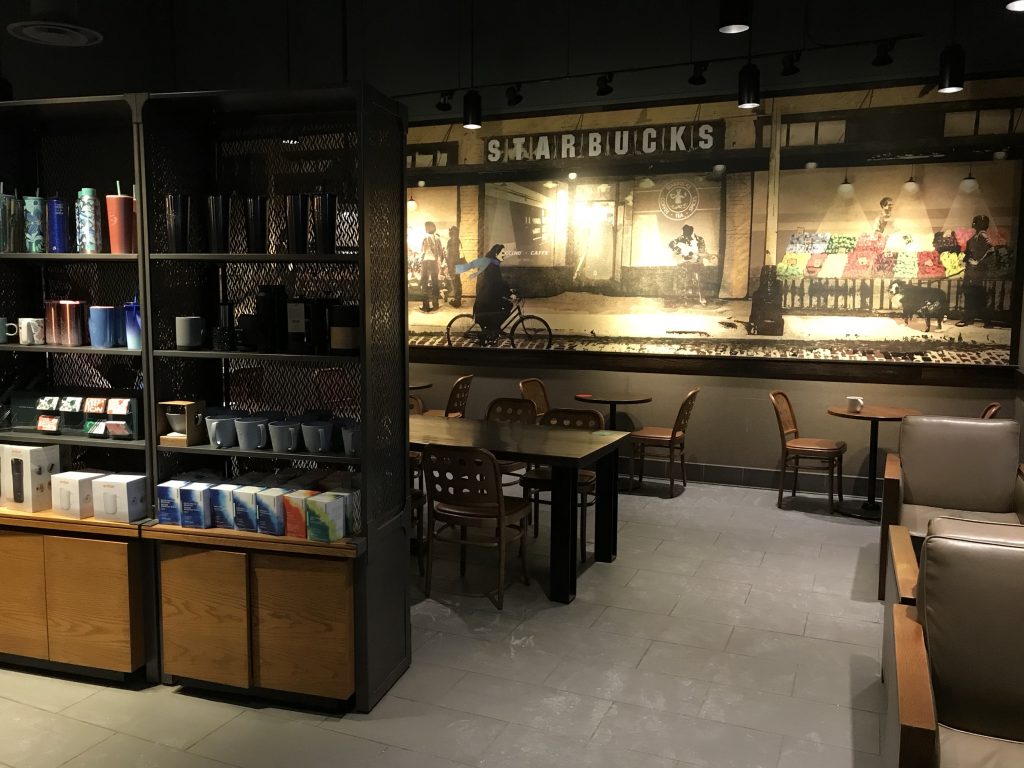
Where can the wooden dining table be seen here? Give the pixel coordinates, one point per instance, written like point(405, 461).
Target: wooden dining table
point(566, 451)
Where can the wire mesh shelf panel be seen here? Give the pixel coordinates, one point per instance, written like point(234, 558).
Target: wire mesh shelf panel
point(119, 372)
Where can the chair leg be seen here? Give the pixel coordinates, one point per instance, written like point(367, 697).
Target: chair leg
point(682, 464)
point(782, 480)
point(430, 557)
point(502, 554)
point(643, 460)
point(536, 513)
point(839, 471)
point(796, 472)
point(524, 526)
point(420, 513)
point(462, 550)
point(632, 463)
point(583, 526)
point(671, 473)
point(831, 483)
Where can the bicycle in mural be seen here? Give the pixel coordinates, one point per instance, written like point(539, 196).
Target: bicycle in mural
point(521, 330)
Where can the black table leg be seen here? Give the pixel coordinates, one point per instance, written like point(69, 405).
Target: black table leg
point(611, 416)
point(870, 505)
point(564, 496)
point(606, 514)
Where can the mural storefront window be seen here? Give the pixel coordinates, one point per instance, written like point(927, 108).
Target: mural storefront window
point(876, 269)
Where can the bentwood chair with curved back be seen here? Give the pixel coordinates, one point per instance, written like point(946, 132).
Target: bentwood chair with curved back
point(538, 480)
point(671, 439)
point(464, 492)
point(512, 410)
point(534, 390)
point(990, 411)
point(457, 399)
point(826, 454)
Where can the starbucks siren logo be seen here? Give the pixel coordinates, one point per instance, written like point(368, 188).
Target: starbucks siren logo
point(678, 200)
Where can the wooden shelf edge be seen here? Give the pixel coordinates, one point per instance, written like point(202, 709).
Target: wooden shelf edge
point(224, 537)
point(51, 521)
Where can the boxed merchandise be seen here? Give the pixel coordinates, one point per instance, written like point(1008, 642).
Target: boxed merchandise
point(222, 502)
point(246, 515)
point(72, 493)
point(121, 498)
point(27, 476)
point(196, 511)
point(353, 512)
point(295, 513)
point(270, 507)
point(325, 517)
point(168, 501)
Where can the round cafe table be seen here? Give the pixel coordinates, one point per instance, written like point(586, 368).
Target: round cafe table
point(612, 400)
point(870, 509)
point(414, 385)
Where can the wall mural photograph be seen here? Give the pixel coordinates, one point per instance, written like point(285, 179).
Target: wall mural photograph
point(903, 262)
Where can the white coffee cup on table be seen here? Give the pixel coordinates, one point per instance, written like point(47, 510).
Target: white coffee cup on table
point(854, 404)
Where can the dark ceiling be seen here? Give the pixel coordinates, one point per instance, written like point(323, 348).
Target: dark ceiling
point(417, 47)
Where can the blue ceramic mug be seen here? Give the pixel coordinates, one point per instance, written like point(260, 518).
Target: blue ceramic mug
point(103, 327)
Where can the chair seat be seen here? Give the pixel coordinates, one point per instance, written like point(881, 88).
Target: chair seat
point(958, 749)
point(815, 446)
point(515, 510)
point(441, 413)
point(540, 478)
point(917, 516)
point(656, 435)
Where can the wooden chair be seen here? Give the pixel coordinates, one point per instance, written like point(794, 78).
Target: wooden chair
point(464, 491)
point(990, 411)
point(457, 398)
point(829, 453)
point(538, 480)
point(510, 410)
point(418, 507)
point(415, 457)
point(671, 439)
point(534, 390)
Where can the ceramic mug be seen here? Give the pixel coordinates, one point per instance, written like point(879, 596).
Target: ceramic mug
point(189, 332)
point(352, 437)
point(31, 331)
point(317, 436)
point(221, 429)
point(133, 325)
point(103, 327)
point(854, 404)
point(253, 432)
point(285, 435)
point(177, 419)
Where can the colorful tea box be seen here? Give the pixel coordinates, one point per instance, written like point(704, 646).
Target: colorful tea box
point(72, 494)
point(222, 501)
point(196, 510)
point(270, 509)
point(353, 512)
point(121, 498)
point(325, 517)
point(246, 515)
point(295, 513)
point(168, 502)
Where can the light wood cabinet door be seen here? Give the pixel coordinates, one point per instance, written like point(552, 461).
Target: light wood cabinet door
point(302, 624)
point(22, 595)
point(93, 603)
point(204, 608)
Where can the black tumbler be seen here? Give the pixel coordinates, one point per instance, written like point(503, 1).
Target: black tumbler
point(217, 223)
point(324, 206)
point(256, 224)
point(177, 223)
point(298, 220)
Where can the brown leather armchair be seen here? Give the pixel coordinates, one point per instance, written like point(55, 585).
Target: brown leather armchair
point(952, 664)
point(951, 467)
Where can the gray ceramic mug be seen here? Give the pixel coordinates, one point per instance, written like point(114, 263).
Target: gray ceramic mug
point(253, 432)
point(317, 436)
point(222, 430)
point(285, 436)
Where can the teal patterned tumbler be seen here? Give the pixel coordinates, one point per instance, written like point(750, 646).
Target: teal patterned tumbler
point(35, 208)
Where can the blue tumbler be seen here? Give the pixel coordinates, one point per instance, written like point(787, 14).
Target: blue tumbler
point(56, 226)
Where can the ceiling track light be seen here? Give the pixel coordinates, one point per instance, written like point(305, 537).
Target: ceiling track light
point(952, 68)
point(734, 16)
point(883, 53)
point(444, 102)
point(514, 94)
point(604, 84)
point(697, 78)
point(749, 91)
point(472, 110)
point(790, 64)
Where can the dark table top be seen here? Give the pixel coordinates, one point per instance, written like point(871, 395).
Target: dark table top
point(873, 413)
point(617, 398)
point(530, 442)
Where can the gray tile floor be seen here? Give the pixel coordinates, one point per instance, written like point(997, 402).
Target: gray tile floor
point(727, 634)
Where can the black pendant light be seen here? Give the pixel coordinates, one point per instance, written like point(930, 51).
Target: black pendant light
point(734, 16)
point(749, 93)
point(472, 110)
point(952, 68)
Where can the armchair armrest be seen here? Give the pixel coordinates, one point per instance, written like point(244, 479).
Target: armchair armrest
point(1018, 494)
point(903, 567)
point(892, 500)
point(912, 731)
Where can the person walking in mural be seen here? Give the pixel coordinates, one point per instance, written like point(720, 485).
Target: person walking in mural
point(453, 258)
point(689, 248)
point(493, 296)
point(884, 220)
point(432, 253)
point(978, 248)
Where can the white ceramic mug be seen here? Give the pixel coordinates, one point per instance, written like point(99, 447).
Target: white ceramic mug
point(854, 404)
point(31, 331)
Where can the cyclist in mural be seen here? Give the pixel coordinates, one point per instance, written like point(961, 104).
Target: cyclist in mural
point(978, 249)
point(493, 295)
point(884, 221)
point(432, 254)
point(453, 258)
point(689, 248)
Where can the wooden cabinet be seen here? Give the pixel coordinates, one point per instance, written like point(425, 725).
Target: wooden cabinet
point(270, 618)
point(22, 595)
